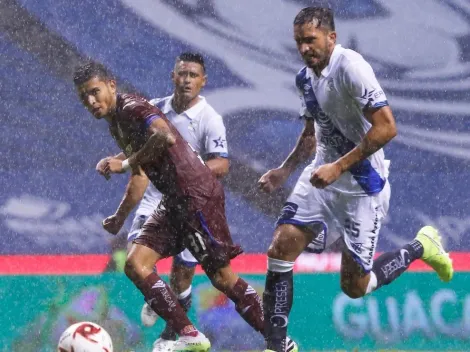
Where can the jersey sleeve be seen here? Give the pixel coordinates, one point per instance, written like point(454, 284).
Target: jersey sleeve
point(303, 111)
point(302, 84)
point(362, 85)
point(215, 139)
point(140, 111)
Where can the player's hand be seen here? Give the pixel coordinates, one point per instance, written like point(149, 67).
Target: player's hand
point(114, 166)
point(325, 175)
point(273, 179)
point(101, 167)
point(113, 223)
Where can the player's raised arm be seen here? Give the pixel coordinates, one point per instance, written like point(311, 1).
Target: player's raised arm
point(303, 150)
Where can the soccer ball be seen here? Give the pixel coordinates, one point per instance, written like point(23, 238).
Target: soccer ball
point(85, 337)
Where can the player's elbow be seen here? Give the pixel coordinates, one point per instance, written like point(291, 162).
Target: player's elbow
point(392, 131)
point(163, 139)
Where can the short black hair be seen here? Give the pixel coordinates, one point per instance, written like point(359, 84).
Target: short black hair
point(87, 71)
point(192, 57)
point(323, 15)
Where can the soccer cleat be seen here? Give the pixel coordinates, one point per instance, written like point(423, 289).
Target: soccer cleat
point(148, 316)
point(434, 254)
point(198, 343)
point(291, 346)
point(161, 345)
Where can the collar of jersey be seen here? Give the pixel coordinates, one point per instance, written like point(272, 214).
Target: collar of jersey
point(191, 113)
point(326, 71)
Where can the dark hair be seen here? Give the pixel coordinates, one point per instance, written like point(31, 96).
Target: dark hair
point(323, 15)
point(192, 57)
point(85, 72)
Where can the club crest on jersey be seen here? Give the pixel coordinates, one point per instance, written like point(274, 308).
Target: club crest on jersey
point(330, 85)
point(128, 149)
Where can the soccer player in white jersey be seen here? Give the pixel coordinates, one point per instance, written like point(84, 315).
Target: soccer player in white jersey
point(344, 192)
point(203, 128)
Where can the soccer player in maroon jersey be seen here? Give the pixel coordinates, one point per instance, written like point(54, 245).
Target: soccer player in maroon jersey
point(193, 215)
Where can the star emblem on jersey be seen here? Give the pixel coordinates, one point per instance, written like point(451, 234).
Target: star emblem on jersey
point(219, 142)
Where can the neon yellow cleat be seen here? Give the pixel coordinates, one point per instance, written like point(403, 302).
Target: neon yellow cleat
point(434, 254)
point(198, 343)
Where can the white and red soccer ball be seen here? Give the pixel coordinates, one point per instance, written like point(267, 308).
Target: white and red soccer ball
point(85, 337)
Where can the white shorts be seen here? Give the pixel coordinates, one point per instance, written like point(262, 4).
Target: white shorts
point(184, 258)
point(357, 219)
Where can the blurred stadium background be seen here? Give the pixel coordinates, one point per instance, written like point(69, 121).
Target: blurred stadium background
point(58, 266)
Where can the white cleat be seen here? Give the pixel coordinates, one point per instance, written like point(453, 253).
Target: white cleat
point(198, 343)
point(161, 345)
point(148, 316)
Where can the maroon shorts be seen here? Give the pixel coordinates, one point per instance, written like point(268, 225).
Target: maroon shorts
point(204, 232)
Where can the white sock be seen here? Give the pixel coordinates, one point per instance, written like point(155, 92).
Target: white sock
point(185, 293)
point(372, 285)
point(280, 266)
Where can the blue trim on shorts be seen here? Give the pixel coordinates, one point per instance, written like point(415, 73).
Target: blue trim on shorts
point(358, 260)
point(303, 223)
point(178, 260)
point(206, 228)
point(132, 236)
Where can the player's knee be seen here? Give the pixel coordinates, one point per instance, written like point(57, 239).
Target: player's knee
point(279, 248)
point(353, 290)
point(223, 279)
point(129, 269)
point(289, 241)
point(132, 268)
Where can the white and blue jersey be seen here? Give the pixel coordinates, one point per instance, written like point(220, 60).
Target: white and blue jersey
point(354, 205)
point(336, 101)
point(203, 128)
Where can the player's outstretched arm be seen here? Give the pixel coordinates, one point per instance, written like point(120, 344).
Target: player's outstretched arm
point(303, 150)
point(135, 190)
point(383, 130)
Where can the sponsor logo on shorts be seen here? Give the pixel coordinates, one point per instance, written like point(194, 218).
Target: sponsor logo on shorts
point(376, 221)
point(373, 243)
point(357, 247)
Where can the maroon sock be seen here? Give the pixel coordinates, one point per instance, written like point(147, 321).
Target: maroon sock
point(164, 302)
point(248, 304)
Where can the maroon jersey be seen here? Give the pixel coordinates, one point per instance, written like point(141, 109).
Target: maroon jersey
point(179, 174)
